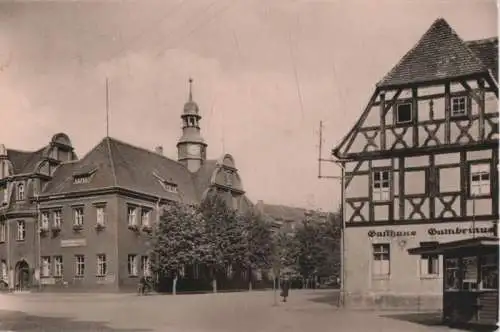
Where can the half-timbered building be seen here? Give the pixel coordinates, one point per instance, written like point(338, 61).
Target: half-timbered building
point(420, 168)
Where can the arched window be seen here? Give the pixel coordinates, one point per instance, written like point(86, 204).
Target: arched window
point(20, 191)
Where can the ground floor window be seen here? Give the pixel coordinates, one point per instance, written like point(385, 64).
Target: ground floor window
point(3, 271)
point(146, 266)
point(79, 266)
point(429, 265)
point(381, 259)
point(102, 266)
point(132, 265)
point(469, 273)
point(58, 266)
point(452, 277)
point(45, 272)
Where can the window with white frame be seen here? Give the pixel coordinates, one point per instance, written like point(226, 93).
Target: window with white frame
point(21, 230)
point(132, 265)
point(102, 266)
point(57, 218)
point(480, 180)
point(429, 265)
point(58, 266)
point(132, 215)
point(45, 271)
point(3, 231)
point(403, 113)
point(44, 223)
point(489, 272)
point(146, 266)
point(79, 266)
point(20, 192)
point(469, 281)
point(5, 195)
point(381, 259)
point(100, 215)
point(78, 216)
point(458, 106)
point(381, 186)
point(145, 217)
point(4, 271)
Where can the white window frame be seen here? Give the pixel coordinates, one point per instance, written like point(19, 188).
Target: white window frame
point(102, 265)
point(44, 222)
point(132, 265)
point(4, 273)
point(3, 231)
point(57, 218)
point(397, 113)
point(146, 217)
point(79, 266)
point(471, 283)
point(20, 191)
point(132, 215)
point(21, 230)
point(480, 186)
point(100, 215)
point(58, 266)
point(45, 268)
point(429, 265)
point(381, 188)
point(381, 259)
point(457, 101)
point(5, 195)
point(146, 266)
point(78, 214)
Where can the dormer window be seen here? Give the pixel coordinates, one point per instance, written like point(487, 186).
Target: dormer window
point(20, 192)
point(83, 177)
point(170, 187)
point(403, 113)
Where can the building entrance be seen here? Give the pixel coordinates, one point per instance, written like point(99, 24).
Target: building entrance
point(23, 279)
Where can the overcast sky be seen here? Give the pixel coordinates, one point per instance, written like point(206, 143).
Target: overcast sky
point(265, 73)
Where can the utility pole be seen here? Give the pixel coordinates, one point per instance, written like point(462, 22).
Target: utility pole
point(340, 163)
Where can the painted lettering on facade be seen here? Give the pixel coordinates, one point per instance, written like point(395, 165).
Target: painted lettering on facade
point(74, 243)
point(391, 233)
point(459, 230)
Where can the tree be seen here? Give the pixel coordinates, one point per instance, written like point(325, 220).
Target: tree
point(177, 241)
point(223, 243)
point(258, 243)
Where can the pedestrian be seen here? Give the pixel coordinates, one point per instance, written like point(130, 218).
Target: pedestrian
point(285, 286)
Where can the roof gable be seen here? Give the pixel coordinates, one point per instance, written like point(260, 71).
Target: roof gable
point(486, 50)
point(439, 54)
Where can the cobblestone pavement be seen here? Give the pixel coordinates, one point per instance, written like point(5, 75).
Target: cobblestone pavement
point(245, 311)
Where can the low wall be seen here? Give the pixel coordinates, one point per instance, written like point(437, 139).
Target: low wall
point(383, 301)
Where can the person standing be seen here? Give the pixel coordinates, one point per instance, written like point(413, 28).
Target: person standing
point(285, 287)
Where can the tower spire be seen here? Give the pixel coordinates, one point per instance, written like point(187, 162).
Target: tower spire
point(190, 98)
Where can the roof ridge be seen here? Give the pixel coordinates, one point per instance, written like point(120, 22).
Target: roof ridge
point(482, 40)
point(145, 150)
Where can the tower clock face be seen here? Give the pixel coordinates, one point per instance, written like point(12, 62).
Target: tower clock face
point(193, 149)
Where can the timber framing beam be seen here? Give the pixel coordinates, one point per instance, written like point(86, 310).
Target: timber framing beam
point(471, 92)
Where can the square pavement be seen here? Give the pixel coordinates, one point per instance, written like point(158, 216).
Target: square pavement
point(254, 311)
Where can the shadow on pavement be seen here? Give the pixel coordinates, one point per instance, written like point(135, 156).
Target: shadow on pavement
point(434, 319)
point(327, 298)
point(20, 321)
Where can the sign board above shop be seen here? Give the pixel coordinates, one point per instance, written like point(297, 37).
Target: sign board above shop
point(434, 231)
point(73, 243)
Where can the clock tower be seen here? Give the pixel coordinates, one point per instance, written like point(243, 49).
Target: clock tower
point(191, 148)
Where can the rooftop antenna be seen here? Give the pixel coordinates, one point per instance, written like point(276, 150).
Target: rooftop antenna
point(190, 98)
point(107, 107)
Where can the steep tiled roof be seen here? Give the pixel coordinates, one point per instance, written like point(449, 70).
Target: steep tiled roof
point(282, 212)
point(24, 161)
point(439, 54)
point(487, 51)
point(203, 176)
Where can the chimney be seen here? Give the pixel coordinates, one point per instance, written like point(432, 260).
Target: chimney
point(159, 150)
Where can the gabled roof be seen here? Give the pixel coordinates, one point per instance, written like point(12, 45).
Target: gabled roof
point(439, 54)
point(117, 164)
point(487, 51)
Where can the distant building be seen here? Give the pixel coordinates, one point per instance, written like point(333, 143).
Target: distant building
point(422, 169)
point(94, 212)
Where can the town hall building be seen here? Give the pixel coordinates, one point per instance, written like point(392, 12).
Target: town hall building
point(83, 223)
point(421, 169)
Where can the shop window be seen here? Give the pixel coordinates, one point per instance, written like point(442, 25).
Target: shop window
point(469, 273)
point(452, 277)
point(489, 272)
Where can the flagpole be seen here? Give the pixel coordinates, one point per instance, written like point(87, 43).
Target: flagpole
point(107, 107)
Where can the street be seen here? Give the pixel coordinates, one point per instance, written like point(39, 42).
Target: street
point(244, 311)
